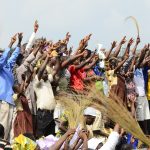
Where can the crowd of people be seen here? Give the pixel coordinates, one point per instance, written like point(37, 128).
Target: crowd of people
point(34, 73)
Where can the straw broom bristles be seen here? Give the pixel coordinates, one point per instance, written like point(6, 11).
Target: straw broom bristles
point(135, 22)
point(112, 107)
point(74, 105)
point(117, 112)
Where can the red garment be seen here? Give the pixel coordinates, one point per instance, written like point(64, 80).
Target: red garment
point(76, 79)
point(23, 121)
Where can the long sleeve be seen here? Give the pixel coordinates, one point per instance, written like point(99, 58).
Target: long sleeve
point(29, 60)
point(3, 58)
point(24, 67)
point(36, 59)
point(30, 43)
point(112, 141)
point(12, 60)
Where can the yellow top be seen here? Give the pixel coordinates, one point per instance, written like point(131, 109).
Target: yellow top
point(23, 143)
point(148, 86)
point(54, 53)
point(112, 79)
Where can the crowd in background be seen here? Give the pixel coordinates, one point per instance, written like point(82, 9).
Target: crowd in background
point(34, 73)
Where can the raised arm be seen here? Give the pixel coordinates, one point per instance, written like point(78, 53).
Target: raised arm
point(127, 51)
point(12, 60)
point(112, 140)
point(71, 59)
point(121, 63)
point(136, 44)
point(4, 56)
point(60, 142)
point(83, 44)
point(42, 68)
point(73, 146)
point(83, 136)
point(113, 45)
point(87, 67)
point(32, 38)
point(141, 57)
point(132, 64)
point(56, 67)
point(13, 40)
point(148, 52)
point(145, 61)
point(66, 40)
point(118, 48)
point(85, 62)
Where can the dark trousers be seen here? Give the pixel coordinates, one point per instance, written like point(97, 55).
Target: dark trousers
point(45, 123)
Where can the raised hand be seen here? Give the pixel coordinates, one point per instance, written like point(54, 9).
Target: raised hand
point(70, 132)
point(68, 35)
point(123, 40)
point(146, 48)
point(114, 44)
point(82, 43)
point(87, 37)
point(20, 36)
point(66, 40)
point(138, 40)
point(146, 60)
point(83, 134)
point(70, 50)
point(36, 26)
point(14, 38)
point(96, 57)
point(130, 42)
point(126, 56)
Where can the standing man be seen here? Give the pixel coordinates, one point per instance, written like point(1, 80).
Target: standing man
point(45, 99)
point(6, 82)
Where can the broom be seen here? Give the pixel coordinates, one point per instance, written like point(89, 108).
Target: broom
point(118, 113)
point(74, 105)
point(135, 22)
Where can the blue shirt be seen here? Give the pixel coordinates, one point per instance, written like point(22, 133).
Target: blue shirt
point(145, 74)
point(6, 75)
point(135, 144)
point(98, 71)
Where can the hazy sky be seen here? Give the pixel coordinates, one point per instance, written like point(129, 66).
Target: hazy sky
point(103, 18)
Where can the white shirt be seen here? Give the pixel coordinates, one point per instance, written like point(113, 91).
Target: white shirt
point(112, 141)
point(44, 93)
point(139, 82)
point(30, 43)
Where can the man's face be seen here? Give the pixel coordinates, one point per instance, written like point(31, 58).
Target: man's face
point(113, 64)
point(89, 119)
point(45, 75)
point(53, 61)
point(77, 62)
point(63, 48)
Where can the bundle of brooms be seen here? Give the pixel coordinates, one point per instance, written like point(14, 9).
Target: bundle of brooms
point(118, 113)
point(112, 107)
point(74, 107)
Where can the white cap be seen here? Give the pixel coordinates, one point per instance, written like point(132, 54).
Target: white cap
point(90, 111)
